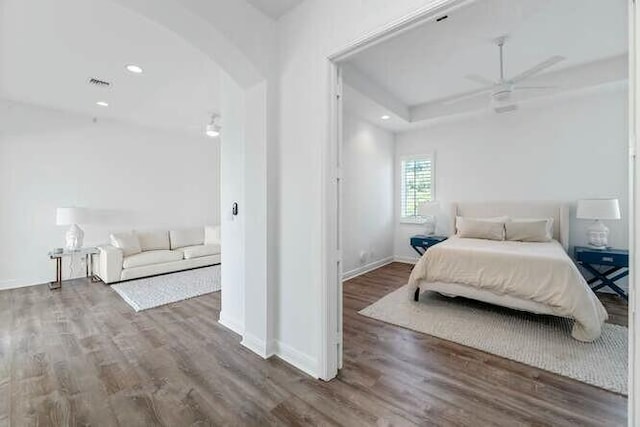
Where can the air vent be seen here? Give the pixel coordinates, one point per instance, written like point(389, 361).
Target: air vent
point(99, 83)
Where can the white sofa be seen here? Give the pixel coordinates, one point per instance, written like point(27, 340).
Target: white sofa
point(138, 254)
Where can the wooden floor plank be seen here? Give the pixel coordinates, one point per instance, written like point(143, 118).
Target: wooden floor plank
point(82, 356)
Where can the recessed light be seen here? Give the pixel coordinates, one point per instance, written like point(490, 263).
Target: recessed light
point(385, 117)
point(102, 103)
point(135, 69)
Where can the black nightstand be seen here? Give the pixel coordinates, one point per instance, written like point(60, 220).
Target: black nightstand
point(421, 243)
point(615, 259)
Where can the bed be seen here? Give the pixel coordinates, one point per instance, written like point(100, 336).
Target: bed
point(537, 277)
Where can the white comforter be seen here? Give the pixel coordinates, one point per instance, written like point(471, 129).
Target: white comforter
point(541, 272)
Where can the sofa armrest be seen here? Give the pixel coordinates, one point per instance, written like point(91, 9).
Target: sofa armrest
point(110, 263)
point(212, 235)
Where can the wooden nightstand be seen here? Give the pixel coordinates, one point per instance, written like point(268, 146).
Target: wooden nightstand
point(421, 243)
point(615, 259)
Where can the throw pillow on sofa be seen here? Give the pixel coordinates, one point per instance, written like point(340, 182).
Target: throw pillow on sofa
point(186, 237)
point(151, 240)
point(127, 242)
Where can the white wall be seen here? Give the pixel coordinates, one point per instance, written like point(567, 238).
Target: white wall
point(308, 35)
point(367, 198)
point(232, 167)
point(140, 177)
point(563, 149)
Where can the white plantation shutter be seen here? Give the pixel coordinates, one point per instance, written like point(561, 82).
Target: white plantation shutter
point(417, 184)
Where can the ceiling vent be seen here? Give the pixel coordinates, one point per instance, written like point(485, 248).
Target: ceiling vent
point(99, 83)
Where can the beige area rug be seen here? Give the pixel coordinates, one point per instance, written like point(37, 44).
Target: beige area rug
point(541, 341)
point(150, 292)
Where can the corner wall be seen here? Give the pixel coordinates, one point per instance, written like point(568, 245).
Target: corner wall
point(367, 196)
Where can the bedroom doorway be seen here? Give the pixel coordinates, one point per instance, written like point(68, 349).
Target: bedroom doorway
point(369, 89)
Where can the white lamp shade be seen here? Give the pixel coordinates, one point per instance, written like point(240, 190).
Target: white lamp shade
point(70, 216)
point(598, 209)
point(429, 209)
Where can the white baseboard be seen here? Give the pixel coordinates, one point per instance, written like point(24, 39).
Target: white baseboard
point(406, 260)
point(366, 268)
point(233, 324)
point(302, 361)
point(15, 283)
point(257, 345)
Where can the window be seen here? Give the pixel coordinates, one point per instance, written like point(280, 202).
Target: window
point(417, 185)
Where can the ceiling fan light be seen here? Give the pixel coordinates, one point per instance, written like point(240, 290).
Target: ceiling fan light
point(213, 128)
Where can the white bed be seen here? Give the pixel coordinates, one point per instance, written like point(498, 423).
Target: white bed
point(535, 277)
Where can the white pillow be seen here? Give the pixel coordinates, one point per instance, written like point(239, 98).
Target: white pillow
point(153, 240)
point(473, 228)
point(212, 235)
point(186, 237)
point(127, 242)
point(501, 219)
point(530, 230)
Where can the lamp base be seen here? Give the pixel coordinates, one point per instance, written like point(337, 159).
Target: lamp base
point(430, 226)
point(598, 235)
point(74, 237)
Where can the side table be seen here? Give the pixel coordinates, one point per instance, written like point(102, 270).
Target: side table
point(58, 256)
point(616, 259)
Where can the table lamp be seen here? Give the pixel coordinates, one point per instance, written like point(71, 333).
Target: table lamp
point(598, 209)
point(429, 211)
point(72, 216)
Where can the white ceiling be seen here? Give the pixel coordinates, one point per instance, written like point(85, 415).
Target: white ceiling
point(50, 48)
point(429, 62)
point(275, 8)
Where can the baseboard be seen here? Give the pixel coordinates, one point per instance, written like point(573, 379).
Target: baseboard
point(406, 260)
point(15, 283)
point(302, 361)
point(231, 324)
point(258, 346)
point(366, 268)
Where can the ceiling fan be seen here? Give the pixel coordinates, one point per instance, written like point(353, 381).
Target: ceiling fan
point(501, 91)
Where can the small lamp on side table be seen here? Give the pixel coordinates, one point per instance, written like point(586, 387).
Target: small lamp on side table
point(598, 209)
point(72, 216)
point(429, 211)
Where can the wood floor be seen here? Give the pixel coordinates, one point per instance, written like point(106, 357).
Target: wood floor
point(81, 356)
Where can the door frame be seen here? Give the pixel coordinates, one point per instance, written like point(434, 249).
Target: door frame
point(331, 292)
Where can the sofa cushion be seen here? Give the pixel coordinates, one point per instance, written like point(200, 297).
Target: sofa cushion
point(127, 242)
point(151, 257)
point(186, 237)
point(154, 240)
point(198, 251)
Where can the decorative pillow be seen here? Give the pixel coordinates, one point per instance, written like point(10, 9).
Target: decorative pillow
point(186, 237)
point(473, 228)
point(153, 240)
point(540, 230)
point(127, 242)
point(212, 235)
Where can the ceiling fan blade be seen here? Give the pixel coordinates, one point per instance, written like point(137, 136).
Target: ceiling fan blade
point(463, 97)
point(479, 79)
point(538, 68)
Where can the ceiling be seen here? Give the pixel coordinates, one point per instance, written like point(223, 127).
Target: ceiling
point(275, 8)
point(50, 48)
point(427, 64)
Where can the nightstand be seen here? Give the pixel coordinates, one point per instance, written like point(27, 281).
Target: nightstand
point(421, 243)
point(617, 261)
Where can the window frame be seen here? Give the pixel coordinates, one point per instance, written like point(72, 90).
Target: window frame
point(417, 219)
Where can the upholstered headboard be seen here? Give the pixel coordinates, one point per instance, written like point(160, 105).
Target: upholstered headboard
point(556, 210)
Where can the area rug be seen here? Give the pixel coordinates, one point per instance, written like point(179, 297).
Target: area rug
point(143, 294)
point(541, 341)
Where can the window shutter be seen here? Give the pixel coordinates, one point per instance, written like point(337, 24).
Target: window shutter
point(417, 185)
